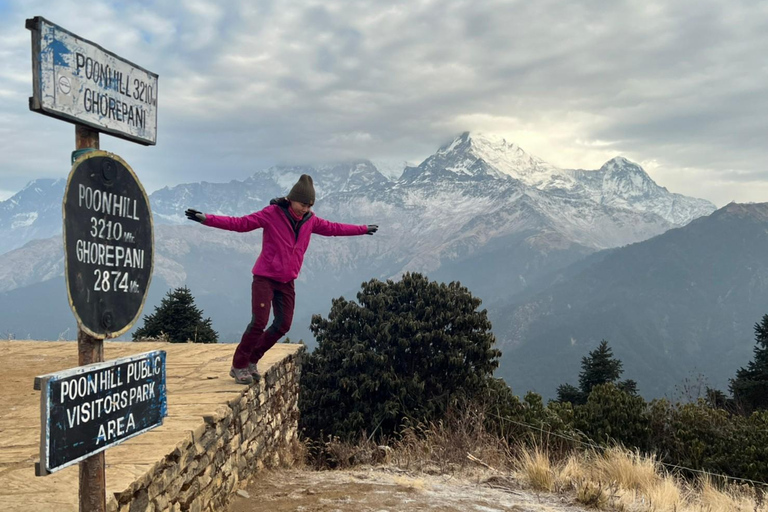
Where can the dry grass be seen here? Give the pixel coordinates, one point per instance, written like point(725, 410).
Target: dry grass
point(410, 484)
point(629, 470)
point(437, 448)
point(614, 479)
point(333, 453)
point(618, 479)
point(593, 495)
point(668, 494)
point(733, 498)
point(442, 447)
point(536, 469)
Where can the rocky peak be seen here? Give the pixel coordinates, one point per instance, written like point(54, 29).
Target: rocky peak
point(33, 212)
point(511, 159)
point(477, 156)
point(756, 211)
point(327, 178)
point(620, 164)
point(622, 183)
point(624, 178)
point(454, 161)
point(34, 194)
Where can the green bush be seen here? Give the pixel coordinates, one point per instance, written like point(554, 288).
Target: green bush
point(528, 421)
point(410, 350)
point(407, 349)
point(613, 415)
point(753, 443)
point(500, 404)
point(597, 367)
point(700, 437)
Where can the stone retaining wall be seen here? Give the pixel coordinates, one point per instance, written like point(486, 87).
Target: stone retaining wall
point(254, 430)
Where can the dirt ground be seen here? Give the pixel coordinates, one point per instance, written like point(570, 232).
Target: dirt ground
point(391, 490)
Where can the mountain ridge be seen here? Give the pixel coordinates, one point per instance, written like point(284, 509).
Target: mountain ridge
point(687, 298)
point(473, 212)
point(519, 231)
point(469, 158)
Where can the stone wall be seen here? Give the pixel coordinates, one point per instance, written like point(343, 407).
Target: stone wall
point(255, 430)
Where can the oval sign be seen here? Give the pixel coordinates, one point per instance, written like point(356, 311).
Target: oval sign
point(108, 244)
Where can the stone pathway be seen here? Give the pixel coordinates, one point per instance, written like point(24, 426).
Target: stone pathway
point(197, 382)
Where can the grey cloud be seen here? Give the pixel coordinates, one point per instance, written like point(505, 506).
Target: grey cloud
point(259, 82)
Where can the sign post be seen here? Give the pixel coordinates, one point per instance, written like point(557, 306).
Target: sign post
point(78, 81)
point(108, 235)
point(87, 409)
point(92, 490)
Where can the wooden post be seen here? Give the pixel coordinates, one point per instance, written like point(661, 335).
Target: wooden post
point(93, 481)
point(86, 137)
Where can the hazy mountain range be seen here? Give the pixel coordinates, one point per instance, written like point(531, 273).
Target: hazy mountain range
point(480, 210)
point(680, 305)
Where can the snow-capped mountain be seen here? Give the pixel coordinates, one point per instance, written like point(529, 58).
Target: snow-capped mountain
point(241, 197)
point(681, 304)
point(564, 195)
point(619, 183)
point(392, 169)
point(32, 213)
point(480, 210)
point(486, 155)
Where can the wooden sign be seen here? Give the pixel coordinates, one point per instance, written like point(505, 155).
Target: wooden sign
point(108, 244)
point(87, 409)
point(79, 81)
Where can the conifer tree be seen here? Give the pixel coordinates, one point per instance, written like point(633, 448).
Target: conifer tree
point(750, 387)
point(598, 367)
point(406, 349)
point(178, 318)
point(570, 393)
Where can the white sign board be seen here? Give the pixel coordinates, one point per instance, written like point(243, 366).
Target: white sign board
point(81, 82)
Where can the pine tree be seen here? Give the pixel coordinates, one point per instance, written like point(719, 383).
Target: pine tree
point(750, 387)
point(598, 367)
point(406, 350)
point(178, 318)
point(570, 393)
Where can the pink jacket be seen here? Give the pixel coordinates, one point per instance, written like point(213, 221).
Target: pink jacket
point(282, 249)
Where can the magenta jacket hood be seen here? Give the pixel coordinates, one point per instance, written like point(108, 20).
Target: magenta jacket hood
point(282, 247)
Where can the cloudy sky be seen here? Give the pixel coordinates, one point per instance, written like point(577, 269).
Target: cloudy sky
point(679, 86)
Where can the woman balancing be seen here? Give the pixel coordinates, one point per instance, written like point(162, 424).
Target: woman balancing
point(288, 223)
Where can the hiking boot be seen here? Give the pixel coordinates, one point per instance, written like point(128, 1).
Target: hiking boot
point(241, 375)
point(254, 372)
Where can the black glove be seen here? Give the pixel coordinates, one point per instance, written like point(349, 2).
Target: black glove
point(372, 228)
point(195, 215)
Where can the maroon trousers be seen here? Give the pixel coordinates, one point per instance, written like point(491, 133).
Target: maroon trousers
point(256, 341)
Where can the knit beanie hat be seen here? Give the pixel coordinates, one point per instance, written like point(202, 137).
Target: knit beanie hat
point(303, 191)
